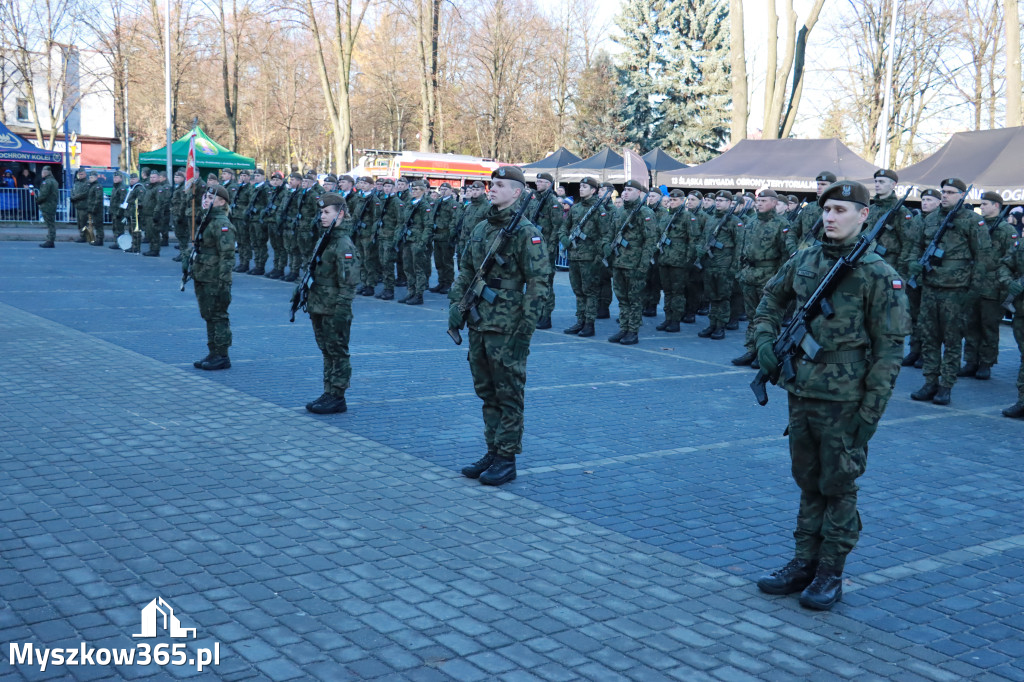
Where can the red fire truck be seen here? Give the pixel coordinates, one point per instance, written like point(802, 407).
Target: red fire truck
point(454, 169)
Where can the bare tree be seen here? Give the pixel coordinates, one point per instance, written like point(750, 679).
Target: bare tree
point(970, 67)
point(232, 33)
point(738, 76)
point(1014, 111)
point(776, 122)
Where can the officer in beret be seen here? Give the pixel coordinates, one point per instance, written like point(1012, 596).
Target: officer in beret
point(984, 310)
point(583, 236)
point(499, 342)
point(808, 225)
point(330, 304)
point(212, 275)
point(836, 401)
point(945, 289)
point(547, 214)
point(330, 184)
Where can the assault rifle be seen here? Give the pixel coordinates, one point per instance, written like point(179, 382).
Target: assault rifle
point(271, 202)
point(796, 337)
point(665, 240)
point(250, 210)
point(933, 254)
point(403, 234)
point(380, 221)
point(577, 234)
point(453, 240)
point(540, 203)
point(712, 240)
point(360, 223)
point(301, 296)
point(478, 288)
point(234, 199)
point(287, 204)
point(619, 239)
point(186, 270)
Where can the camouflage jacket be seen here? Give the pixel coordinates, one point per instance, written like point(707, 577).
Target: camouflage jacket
point(597, 230)
point(80, 195)
point(730, 236)
point(147, 201)
point(521, 283)
point(1002, 237)
point(240, 203)
point(896, 238)
point(258, 198)
point(475, 211)
point(800, 235)
point(288, 207)
point(337, 276)
point(364, 215)
point(48, 193)
point(418, 226)
point(763, 249)
point(117, 197)
point(676, 245)
point(641, 233)
point(548, 216)
point(1012, 268)
point(94, 201)
point(445, 215)
point(216, 249)
point(392, 212)
point(179, 198)
point(966, 245)
point(872, 316)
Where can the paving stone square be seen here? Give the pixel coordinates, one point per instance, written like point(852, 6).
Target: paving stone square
point(652, 492)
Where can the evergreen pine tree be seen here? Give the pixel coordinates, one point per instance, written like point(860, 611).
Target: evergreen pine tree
point(596, 122)
point(640, 70)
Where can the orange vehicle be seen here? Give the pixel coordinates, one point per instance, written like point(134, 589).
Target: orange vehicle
point(455, 169)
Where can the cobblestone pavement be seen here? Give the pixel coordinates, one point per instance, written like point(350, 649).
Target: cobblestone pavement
point(652, 492)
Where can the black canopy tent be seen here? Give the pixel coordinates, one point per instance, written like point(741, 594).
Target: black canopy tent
point(988, 159)
point(659, 161)
point(606, 166)
point(550, 164)
point(788, 165)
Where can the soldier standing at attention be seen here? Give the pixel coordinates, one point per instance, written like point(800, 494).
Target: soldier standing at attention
point(212, 275)
point(179, 221)
point(287, 217)
point(803, 235)
point(278, 194)
point(652, 290)
point(695, 279)
point(630, 260)
point(984, 310)
point(895, 238)
point(164, 197)
point(499, 342)
point(945, 290)
point(445, 212)
point(931, 199)
point(1011, 277)
point(46, 200)
point(364, 221)
point(257, 229)
point(80, 201)
point(673, 256)
point(413, 237)
point(604, 291)
point(548, 216)
point(763, 252)
point(719, 263)
point(240, 219)
point(94, 206)
point(391, 212)
point(475, 211)
point(117, 214)
point(330, 304)
point(131, 211)
point(835, 403)
point(584, 242)
point(147, 214)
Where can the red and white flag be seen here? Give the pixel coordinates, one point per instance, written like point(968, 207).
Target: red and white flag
point(190, 165)
point(634, 167)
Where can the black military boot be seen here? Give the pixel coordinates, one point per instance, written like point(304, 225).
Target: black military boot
point(984, 372)
point(387, 295)
point(115, 247)
point(689, 318)
point(368, 290)
point(919, 363)
point(603, 313)
point(152, 254)
point(968, 370)
point(97, 242)
point(926, 392)
point(732, 325)
point(177, 259)
point(910, 358)
point(216, 362)
point(754, 364)
point(588, 330)
point(291, 276)
point(164, 241)
point(942, 396)
point(575, 329)
point(414, 300)
point(793, 577)
point(704, 309)
point(1015, 411)
point(243, 268)
point(46, 245)
point(718, 334)
point(672, 327)
point(332, 404)
point(650, 312)
point(825, 590)
point(401, 283)
point(275, 274)
point(617, 336)
point(630, 339)
point(544, 322)
point(745, 359)
point(404, 298)
point(257, 271)
point(706, 331)
point(319, 400)
point(478, 467)
point(199, 363)
point(502, 470)
point(661, 327)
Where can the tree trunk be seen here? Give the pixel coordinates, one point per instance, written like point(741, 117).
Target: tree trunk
point(738, 75)
point(1014, 113)
point(772, 37)
point(799, 57)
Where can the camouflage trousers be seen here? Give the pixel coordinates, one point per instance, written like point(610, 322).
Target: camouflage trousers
point(276, 236)
point(258, 242)
point(718, 286)
point(50, 218)
point(629, 289)
point(182, 232)
point(82, 218)
point(585, 280)
point(97, 224)
point(694, 291)
point(414, 257)
point(981, 330)
point(674, 281)
point(914, 296)
point(293, 250)
point(152, 232)
point(305, 242)
point(369, 259)
point(825, 466)
point(214, 299)
point(548, 306)
point(444, 260)
point(736, 302)
point(500, 382)
point(332, 334)
point(244, 239)
point(604, 292)
point(751, 297)
point(1018, 336)
point(652, 288)
point(940, 323)
point(388, 257)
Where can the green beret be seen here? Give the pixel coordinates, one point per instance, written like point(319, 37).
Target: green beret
point(277, 174)
point(477, 184)
point(769, 193)
point(591, 181)
point(244, 171)
point(389, 181)
point(345, 177)
point(635, 184)
point(80, 171)
point(420, 184)
point(226, 170)
point(221, 192)
point(847, 190)
point(607, 185)
point(259, 171)
point(508, 173)
point(546, 176)
point(93, 174)
point(310, 176)
point(445, 184)
point(677, 194)
point(330, 199)
point(130, 175)
point(825, 176)
point(695, 193)
point(295, 174)
point(954, 182)
point(144, 169)
point(792, 198)
point(886, 173)
point(212, 176)
point(723, 194)
point(933, 193)
point(992, 196)
point(402, 178)
point(367, 179)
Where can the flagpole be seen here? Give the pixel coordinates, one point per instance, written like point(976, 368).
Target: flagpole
point(167, 87)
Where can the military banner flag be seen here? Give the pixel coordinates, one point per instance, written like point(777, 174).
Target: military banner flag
point(635, 167)
point(190, 164)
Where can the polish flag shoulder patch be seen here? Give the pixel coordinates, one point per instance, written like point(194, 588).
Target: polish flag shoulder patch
point(785, 230)
point(535, 240)
point(897, 284)
point(348, 256)
point(224, 229)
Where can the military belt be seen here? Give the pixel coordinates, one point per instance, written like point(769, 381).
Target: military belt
point(511, 284)
point(761, 263)
point(956, 261)
point(838, 357)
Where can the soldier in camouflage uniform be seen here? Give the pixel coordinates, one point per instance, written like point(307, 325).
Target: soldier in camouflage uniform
point(148, 204)
point(413, 237)
point(241, 194)
point(330, 304)
point(720, 263)
point(836, 402)
point(695, 279)
point(945, 290)
point(391, 211)
point(288, 217)
point(548, 216)
point(475, 211)
point(1011, 278)
point(46, 200)
point(895, 239)
point(604, 291)
point(308, 225)
point(118, 193)
point(630, 259)
point(212, 275)
point(270, 225)
point(499, 342)
point(584, 243)
point(131, 211)
point(652, 289)
point(984, 310)
point(80, 202)
point(445, 214)
point(365, 208)
point(94, 206)
point(179, 220)
point(762, 253)
point(802, 234)
point(163, 212)
point(930, 202)
point(673, 256)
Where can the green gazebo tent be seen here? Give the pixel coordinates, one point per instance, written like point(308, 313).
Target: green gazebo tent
point(209, 154)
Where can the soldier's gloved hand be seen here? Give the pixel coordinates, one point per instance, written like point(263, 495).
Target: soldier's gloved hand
point(766, 355)
point(1016, 288)
point(564, 241)
point(454, 317)
point(519, 347)
point(915, 269)
point(862, 431)
point(701, 252)
point(607, 250)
